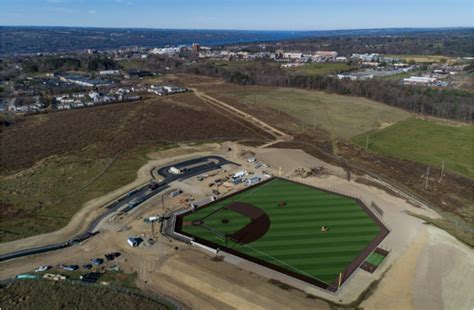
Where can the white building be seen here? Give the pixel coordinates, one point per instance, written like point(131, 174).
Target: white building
point(166, 51)
point(292, 55)
point(109, 72)
point(355, 76)
point(326, 55)
point(419, 80)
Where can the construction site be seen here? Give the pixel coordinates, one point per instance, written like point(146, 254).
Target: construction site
point(182, 227)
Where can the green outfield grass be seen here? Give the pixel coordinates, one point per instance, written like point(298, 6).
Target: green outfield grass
point(294, 240)
point(426, 142)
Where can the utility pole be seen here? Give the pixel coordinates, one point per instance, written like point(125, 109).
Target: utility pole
point(367, 143)
point(427, 177)
point(442, 172)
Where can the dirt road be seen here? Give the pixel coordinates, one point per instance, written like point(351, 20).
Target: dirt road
point(279, 135)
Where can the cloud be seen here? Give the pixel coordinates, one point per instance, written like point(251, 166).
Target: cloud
point(92, 12)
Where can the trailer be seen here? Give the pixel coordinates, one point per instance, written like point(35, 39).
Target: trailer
point(253, 180)
point(175, 193)
point(134, 241)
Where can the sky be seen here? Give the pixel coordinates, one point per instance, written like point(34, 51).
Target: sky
point(239, 14)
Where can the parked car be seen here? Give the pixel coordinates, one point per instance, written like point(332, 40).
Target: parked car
point(42, 268)
point(153, 186)
point(87, 266)
point(73, 242)
point(90, 277)
point(97, 261)
point(112, 256)
point(70, 267)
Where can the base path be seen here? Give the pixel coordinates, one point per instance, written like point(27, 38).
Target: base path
point(258, 226)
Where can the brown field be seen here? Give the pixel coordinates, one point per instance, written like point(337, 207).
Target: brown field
point(104, 131)
point(60, 295)
point(341, 116)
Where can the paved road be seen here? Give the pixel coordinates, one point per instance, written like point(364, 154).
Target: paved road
point(132, 200)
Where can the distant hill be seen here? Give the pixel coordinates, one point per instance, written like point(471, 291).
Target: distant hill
point(29, 39)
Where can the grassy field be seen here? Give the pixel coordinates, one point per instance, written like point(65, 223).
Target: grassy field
point(44, 198)
point(342, 116)
point(128, 64)
point(426, 142)
point(321, 69)
point(294, 240)
point(421, 58)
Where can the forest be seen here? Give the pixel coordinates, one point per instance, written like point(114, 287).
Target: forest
point(447, 42)
point(68, 63)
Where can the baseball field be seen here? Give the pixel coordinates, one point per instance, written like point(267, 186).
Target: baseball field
point(297, 229)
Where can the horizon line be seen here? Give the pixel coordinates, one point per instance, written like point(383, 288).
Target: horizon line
point(230, 29)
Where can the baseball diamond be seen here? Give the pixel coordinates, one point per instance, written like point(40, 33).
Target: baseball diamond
point(319, 236)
